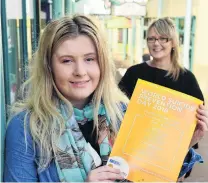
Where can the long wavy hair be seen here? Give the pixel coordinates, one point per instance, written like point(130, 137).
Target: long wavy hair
point(41, 95)
point(165, 26)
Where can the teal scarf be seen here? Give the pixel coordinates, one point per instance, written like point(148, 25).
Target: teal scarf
point(75, 157)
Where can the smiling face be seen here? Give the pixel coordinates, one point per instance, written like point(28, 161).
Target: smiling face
point(159, 51)
point(75, 69)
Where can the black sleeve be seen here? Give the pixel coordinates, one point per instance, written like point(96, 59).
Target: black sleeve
point(193, 88)
point(127, 82)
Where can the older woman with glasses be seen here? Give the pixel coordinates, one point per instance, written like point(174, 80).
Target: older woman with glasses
point(164, 69)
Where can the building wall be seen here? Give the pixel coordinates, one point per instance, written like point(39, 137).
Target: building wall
point(201, 49)
point(169, 8)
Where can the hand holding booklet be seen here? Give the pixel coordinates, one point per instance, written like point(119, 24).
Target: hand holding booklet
point(155, 134)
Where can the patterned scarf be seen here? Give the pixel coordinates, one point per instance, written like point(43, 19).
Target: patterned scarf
point(75, 157)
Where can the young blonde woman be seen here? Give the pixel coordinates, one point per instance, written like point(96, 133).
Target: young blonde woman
point(164, 69)
point(65, 127)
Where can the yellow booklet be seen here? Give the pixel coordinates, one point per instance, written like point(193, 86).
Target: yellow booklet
point(155, 134)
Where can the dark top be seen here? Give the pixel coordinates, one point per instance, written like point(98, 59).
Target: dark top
point(89, 135)
point(186, 82)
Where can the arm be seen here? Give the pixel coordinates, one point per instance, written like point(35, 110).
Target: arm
point(20, 163)
point(192, 86)
point(202, 126)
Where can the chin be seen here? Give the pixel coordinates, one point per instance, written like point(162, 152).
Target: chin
point(157, 57)
point(82, 96)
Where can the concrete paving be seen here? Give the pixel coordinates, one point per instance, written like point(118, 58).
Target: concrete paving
point(200, 171)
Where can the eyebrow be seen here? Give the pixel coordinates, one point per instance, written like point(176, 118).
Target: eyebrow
point(88, 54)
point(65, 55)
point(163, 36)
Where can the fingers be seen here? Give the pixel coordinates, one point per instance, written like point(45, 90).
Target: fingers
point(106, 169)
point(104, 173)
point(202, 125)
point(202, 122)
point(202, 110)
point(202, 116)
point(109, 176)
point(202, 106)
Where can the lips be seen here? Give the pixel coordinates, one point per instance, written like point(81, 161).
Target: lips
point(79, 84)
point(157, 50)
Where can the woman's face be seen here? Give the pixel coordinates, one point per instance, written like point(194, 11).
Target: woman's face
point(160, 49)
point(75, 69)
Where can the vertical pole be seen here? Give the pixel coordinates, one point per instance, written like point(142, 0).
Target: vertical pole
point(110, 39)
point(112, 9)
point(133, 19)
point(160, 7)
point(13, 58)
point(18, 58)
point(3, 111)
point(57, 7)
point(193, 30)
point(3, 116)
point(73, 7)
point(4, 88)
point(68, 7)
point(187, 34)
point(36, 24)
point(124, 42)
point(177, 25)
point(141, 36)
point(50, 9)
point(5, 50)
point(24, 38)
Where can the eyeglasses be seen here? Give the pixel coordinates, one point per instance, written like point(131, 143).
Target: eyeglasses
point(160, 39)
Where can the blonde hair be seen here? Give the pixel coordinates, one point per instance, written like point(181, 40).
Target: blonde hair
point(165, 26)
point(42, 94)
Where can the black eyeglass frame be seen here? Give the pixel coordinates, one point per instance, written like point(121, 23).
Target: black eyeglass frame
point(158, 39)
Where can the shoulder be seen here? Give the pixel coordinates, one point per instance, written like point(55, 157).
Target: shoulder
point(191, 84)
point(20, 153)
point(188, 78)
point(134, 71)
point(188, 75)
point(18, 130)
point(17, 121)
point(136, 67)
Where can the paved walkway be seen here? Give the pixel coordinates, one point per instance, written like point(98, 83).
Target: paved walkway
point(200, 171)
